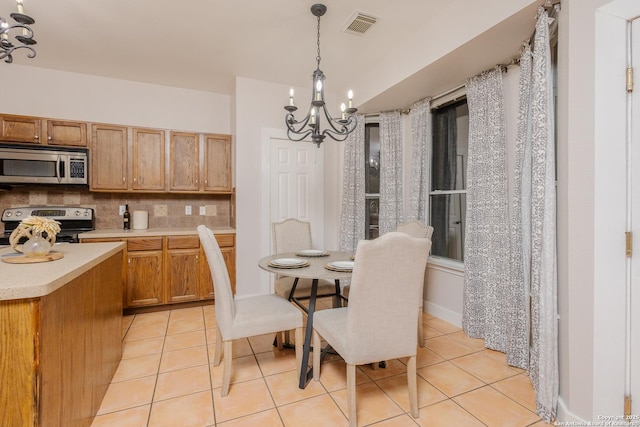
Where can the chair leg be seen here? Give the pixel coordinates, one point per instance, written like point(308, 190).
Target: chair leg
point(279, 338)
point(316, 355)
point(420, 328)
point(412, 382)
point(299, 341)
point(420, 332)
point(217, 355)
point(351, 394)
point(226, 375)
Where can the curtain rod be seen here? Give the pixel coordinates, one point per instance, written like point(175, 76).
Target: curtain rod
point(551, 6)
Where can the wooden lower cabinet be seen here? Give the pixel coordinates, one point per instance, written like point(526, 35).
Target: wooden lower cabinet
point(182, 268)
point(144, 284)
point(170, 269)
point(59, 352)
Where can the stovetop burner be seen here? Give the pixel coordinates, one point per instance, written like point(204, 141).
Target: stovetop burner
point(73, 220)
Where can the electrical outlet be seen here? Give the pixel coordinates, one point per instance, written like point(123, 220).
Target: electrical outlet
point(187, 210)
point(203, 210)
point(121, 210)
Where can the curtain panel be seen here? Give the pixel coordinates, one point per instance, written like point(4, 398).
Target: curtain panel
point(487, 228)
point(391, 201)
point(352, 220)
point(543, 360)
point(421, 130)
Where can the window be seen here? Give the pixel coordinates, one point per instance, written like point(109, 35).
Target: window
point(372, 179)
point(447, 199)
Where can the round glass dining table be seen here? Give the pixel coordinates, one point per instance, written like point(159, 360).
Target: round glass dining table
point(316, 270)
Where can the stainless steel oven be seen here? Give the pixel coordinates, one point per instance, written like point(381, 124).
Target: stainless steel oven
point(73, 221)
point(42, 165)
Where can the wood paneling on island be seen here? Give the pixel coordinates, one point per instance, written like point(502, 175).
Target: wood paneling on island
point(58, 352)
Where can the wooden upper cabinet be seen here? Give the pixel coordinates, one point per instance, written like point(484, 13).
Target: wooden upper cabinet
point(184, 162)
point(217, 163)
point(20, 129)
point(148, 159)
point(109, 157)
point(63, 132)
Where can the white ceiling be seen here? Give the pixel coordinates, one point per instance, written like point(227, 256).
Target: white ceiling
point(205, 44)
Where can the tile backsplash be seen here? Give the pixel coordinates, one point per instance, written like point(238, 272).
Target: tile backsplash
point(165, 210)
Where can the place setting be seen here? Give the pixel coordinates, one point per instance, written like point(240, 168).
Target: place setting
point(288, 263)
point(312, 253)
point(340, 266)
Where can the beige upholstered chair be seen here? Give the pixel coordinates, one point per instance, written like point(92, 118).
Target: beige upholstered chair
point(247, 317)
point(417, 229)
point(293, 235)
point(414, 229)
point(381, 320)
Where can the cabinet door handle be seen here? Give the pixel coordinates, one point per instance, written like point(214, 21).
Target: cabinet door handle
point(49, 138)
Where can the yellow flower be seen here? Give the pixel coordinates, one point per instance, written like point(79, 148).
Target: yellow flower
point(38, 223)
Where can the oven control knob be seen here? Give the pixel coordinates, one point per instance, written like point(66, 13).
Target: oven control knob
point(19, 213)
point(8, 214)
point(77, 213)
point(86, 213)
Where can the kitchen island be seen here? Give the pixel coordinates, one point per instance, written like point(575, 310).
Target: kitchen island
point(60, 335)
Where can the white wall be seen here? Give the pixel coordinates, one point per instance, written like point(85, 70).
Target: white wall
point(57, 94)
point(591, 208)
point(258, 110)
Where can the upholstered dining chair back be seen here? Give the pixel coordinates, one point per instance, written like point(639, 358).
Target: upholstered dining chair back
point(225, 308)
point(246, 317)
point(291, 235)
point(382, 320)
point(416, 229)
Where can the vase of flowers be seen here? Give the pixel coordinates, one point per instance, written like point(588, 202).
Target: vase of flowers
point(37, 244)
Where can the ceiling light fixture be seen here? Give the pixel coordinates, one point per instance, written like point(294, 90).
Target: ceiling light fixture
point(25, 36)
point(338, 129)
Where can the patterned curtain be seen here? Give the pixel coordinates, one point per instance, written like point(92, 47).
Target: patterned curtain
point(352, 221)
point(543, 360)
point(391, 202)
point(421, 166)
point(487, 228)
point(518, 292)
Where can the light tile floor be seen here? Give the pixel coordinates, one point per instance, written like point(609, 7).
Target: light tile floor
point(166, 378)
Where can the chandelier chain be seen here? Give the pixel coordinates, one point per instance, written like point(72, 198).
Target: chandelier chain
point(318, 57)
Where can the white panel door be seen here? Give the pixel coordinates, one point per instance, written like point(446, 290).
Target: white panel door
point(296, 184)
point(634, 353)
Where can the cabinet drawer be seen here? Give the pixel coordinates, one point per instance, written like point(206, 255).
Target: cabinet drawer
point(183, 242)
point(225, 239)
point(144, 244)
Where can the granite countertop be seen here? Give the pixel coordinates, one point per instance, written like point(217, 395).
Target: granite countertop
point(150, 232)
point(18, 281)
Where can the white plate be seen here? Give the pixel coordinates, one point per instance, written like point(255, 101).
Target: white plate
point(341, 265)
point(288, 261)
point(311, 252)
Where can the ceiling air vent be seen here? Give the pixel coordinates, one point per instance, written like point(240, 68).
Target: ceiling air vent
point(359, 23)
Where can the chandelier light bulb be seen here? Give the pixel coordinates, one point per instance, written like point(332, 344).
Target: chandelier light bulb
point(20, 6)
point(342, 109)
point(319, 90)
point(291, 97)
point(312, 118)
point(350, 96)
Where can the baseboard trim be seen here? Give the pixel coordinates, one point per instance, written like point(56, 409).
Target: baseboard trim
point(443, 313)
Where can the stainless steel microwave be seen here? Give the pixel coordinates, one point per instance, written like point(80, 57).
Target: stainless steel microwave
point(43, 165)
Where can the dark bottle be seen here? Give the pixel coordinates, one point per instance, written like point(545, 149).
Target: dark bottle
point(126, 218)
